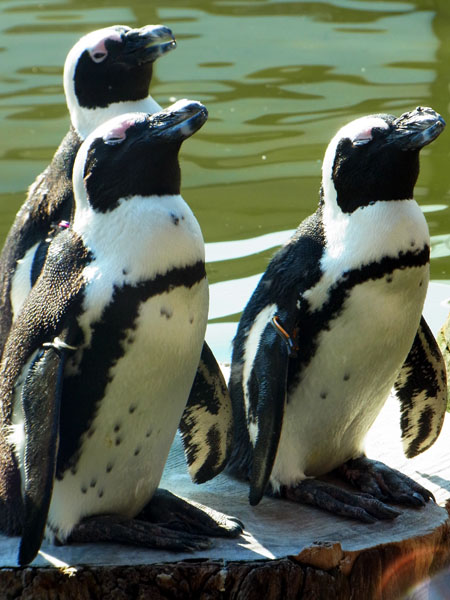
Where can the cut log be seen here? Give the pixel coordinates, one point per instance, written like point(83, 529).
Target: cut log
point(287, 550)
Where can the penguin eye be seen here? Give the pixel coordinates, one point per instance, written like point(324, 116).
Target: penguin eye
point(361, 141)
point(113, 139)
point(98, 56)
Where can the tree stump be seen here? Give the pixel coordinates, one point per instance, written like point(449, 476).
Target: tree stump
point(287, 550)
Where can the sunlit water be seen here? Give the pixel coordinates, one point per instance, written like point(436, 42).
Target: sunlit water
point(278, 78)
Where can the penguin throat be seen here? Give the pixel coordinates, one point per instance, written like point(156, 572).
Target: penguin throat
point(85, 120)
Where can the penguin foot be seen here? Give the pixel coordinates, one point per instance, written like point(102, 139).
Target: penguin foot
point(134, 532)
point(180, 515)
point(327, 496)
point(383, 482)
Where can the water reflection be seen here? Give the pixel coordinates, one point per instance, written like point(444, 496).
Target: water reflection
point(278, 79)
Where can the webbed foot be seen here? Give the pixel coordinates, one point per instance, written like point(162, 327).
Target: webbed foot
point(383, 482)
point(182, 515)
point(167, 522)
point(327, 496)
point(134, 532)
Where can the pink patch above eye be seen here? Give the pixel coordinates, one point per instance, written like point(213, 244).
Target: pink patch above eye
point(363, 136)
point(98, 51)
point(118, 133)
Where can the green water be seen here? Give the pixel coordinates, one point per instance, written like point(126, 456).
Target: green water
point(278, 78)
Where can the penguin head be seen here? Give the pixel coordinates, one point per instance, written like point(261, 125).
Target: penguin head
point(134, 154)
point(113, 65)
point(377, 158)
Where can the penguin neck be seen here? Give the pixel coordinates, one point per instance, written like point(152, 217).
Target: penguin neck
point(382, 228)
point(85, 120)
point(171, 236)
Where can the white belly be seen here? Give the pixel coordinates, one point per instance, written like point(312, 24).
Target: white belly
point(124, 452)
point(349, 378)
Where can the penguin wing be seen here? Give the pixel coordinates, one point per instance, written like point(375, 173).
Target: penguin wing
point(421, 388)
point(34, 356)
point(207, 422)
point(41, 400)
point(266, 407)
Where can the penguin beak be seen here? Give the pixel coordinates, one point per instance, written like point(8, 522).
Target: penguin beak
point(179, 121)
point(148, 43)
point(415, 129)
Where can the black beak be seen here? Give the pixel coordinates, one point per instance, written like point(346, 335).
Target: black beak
point(178, 121)
point(415, 129)
point(149, 43)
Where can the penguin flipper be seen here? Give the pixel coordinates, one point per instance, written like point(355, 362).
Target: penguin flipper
point(270, 371)
point(421, 388)
point(207, 422)
point(41, 399)
point(48, 310)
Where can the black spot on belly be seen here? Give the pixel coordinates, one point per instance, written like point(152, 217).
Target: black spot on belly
point(149, 433)
point(389, 279)
point(109, 467)
point(109, 336)
point(346, 376)
point(93, 483)
point(100, 493)
point(138, 449)
point(131, 409)
point(175, 219)
point(118, 440)
point(116, 428)
point(413, 243)
point(323, 395)
point(84, 489)
point(125, 272)
point(166, 312)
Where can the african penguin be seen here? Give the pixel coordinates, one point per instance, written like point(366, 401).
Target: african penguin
point(99, 363)
point(106, 73)
point(335, 322)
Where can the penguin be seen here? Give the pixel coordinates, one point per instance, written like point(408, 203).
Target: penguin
point(100, 361)
point(334, 323)
point(106, 73)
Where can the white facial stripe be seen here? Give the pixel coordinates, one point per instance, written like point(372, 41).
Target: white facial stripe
point(356, 131)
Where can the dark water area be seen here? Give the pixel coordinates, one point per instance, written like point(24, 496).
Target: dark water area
point(278, 78)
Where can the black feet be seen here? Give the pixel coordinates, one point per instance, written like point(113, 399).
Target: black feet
point(113, 528)
point(167, 522)
point(181, 515)
point(362, 507)
point(377, 484)
point(384, 483)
